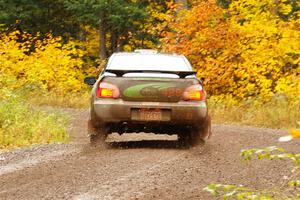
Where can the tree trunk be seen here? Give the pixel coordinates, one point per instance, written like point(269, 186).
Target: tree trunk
point(275, 8)
point(113, 42)
point(81, 35)
point(182, 4)
point(102, 41)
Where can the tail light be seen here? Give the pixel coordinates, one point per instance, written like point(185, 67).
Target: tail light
point(194, 93)
point(107, 90)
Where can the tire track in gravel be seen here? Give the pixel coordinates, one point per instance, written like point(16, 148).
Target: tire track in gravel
point(77, 172)
point(34, 160)
point(121, 188)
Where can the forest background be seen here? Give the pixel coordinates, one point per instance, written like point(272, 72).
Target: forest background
point(248, 51)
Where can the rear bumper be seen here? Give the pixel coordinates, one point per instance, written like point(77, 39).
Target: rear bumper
point(118, 111)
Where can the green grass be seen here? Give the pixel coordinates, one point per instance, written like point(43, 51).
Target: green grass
point(276, 113)
point(21, 125)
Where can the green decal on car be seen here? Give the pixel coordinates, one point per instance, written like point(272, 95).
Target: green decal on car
point(145, 90)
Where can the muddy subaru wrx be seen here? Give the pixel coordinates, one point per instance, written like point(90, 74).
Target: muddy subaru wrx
point(148, 92)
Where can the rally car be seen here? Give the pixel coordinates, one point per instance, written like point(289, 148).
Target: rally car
point(150, 92)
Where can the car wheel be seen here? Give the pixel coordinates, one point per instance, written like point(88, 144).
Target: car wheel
point(97, 134)
point(206, 129)
point(184, 138)
point(200, 135)
point(196, 138)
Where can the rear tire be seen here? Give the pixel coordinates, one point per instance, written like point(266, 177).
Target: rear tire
point(184, 138)
point(97, 135)
point(200, 135)
point(196, 138)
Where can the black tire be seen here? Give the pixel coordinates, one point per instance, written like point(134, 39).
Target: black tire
point(184, 138)
point(203, 133)
point(206, 129)
point(97, 134)
point(196, 138)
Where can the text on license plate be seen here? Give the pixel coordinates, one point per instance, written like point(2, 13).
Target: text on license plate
point(150, 114)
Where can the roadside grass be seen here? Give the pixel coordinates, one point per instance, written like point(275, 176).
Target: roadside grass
point(76, 101)
point(21, 125)
point(276, 113)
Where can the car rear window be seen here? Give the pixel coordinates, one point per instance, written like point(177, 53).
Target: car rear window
point(149, 62)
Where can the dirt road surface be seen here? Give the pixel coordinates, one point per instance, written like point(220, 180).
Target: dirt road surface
point(139, 166)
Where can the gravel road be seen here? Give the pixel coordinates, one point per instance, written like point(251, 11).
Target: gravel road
point(139, 166)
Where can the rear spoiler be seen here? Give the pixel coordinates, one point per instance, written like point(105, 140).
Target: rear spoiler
point(120, 73)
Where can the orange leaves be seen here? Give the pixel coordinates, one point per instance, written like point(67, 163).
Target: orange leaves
point(203, 35)
point(245, 51)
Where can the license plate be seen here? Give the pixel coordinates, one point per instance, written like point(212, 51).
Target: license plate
point(150, 115)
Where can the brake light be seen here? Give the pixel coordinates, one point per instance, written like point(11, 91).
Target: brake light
point(194, 93)
point(103, 92)
point(107, 90)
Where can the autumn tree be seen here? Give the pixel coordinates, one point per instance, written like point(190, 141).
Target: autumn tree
point(245, 51)
point(203, 35)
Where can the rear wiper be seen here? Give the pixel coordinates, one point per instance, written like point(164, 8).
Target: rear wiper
point(120, 73)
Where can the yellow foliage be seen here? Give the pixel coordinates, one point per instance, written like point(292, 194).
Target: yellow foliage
point(91, 41)
point(52, 65)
